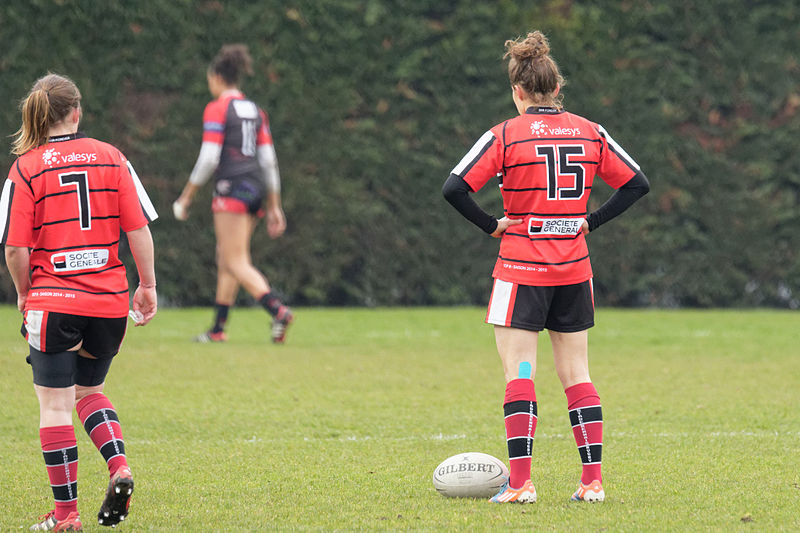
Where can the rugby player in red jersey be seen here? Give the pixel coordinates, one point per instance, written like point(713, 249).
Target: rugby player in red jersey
point(545, 161)
point(62, 207)
point(237, 147)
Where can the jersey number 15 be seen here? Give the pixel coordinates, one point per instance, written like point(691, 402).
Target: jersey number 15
point(562, 167)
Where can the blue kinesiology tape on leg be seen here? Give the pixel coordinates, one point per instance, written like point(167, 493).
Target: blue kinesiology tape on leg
point(525, 370)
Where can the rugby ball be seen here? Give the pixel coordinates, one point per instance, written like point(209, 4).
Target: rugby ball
point(470, 475)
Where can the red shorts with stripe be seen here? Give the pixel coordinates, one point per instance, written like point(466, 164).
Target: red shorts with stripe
point(563, 308)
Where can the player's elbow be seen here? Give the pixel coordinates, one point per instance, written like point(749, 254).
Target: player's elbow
point(645, 186)
point(638, 184)
point(13, 252)
point(451, 188)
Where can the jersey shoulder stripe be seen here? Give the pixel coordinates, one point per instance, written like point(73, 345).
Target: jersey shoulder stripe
point(474, 154)
point(147, 206)
point(5, 208)
point(617, 149)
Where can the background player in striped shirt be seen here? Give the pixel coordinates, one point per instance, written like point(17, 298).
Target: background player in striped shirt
point(63, 205)
point(544, 161)
point(237, 146)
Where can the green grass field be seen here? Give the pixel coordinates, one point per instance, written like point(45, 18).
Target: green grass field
point(341, 428)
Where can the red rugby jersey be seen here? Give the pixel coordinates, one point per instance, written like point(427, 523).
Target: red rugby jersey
point(240, 126)
point(545, 161)
point(68, 200)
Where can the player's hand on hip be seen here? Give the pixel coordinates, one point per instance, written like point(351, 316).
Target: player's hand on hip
point(503, 224)
point(145, 301)
point(22, 299)
point(276, 222)
point(585, 227)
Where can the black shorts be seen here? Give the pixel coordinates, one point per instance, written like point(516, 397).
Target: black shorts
point(50, 336)
point(563, 308)
point(242, 194)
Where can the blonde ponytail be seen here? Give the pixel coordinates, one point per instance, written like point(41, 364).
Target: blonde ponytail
point(49, 101)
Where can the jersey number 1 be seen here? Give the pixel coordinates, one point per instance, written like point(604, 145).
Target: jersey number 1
point(249, 138)
point(80, 181)
point(563, 168)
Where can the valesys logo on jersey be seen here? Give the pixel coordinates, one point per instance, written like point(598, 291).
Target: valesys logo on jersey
point(540, 128)
point(470, 475)
point(52, 157)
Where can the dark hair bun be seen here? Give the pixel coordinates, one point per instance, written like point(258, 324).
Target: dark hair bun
point(531, 68)
point(535, 45)
point(232, 62)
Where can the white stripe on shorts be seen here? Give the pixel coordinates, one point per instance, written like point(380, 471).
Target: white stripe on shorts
point(33, 325)
point(501, 299)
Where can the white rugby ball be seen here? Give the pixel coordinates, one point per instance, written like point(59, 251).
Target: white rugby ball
point(470, 475)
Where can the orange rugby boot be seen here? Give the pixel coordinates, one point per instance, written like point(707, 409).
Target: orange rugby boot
point(593, 492)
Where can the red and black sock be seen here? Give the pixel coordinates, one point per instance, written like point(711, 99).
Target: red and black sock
point(60, 450)
point(520, 412)
point(274, 306)
point(102, 425)
point(220, 317)
point(586, 416)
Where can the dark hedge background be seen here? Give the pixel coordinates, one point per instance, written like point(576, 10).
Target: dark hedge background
point(373, 102)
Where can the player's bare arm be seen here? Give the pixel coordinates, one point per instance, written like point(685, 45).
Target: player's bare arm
point(145, 300)
point(18, 259)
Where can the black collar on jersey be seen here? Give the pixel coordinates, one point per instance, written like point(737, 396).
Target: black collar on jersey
point(532, 110)
point(70, 137)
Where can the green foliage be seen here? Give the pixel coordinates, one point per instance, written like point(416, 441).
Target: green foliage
point(341, 428)
point(372, 103)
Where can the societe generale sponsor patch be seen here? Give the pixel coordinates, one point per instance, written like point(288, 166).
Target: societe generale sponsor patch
point(554, 226)
point(79, 260)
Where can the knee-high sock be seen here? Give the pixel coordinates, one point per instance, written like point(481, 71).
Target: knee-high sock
point(102, 424)
point(273, 305)
point(520, 413)
point(586, 416)
point(220, 317)
point(60, 450)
